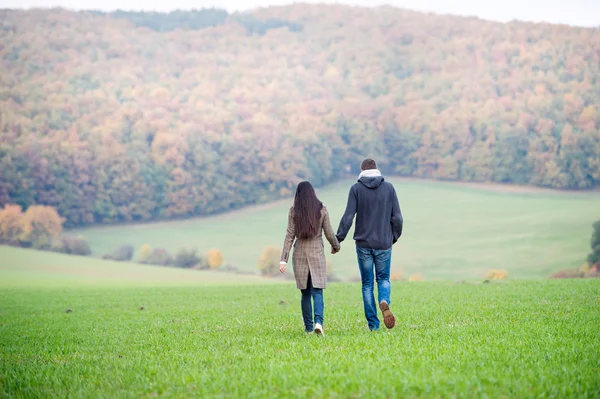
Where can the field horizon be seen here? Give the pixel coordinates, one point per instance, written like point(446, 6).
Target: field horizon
point(453, 230)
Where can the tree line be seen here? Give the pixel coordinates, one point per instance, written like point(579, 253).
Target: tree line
point(124, 117)
point(41, 227)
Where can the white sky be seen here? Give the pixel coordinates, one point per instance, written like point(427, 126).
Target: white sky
point(572, 12)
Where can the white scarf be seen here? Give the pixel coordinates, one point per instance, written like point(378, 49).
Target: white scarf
point(370, 173)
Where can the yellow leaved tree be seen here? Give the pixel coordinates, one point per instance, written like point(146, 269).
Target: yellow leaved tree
point(11, 224)
point(215, 258)
point(145, 253)
point(41, 226)
point(268, 263)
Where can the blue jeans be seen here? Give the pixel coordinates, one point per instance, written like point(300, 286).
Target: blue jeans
point(380, 260)
point(307, 308)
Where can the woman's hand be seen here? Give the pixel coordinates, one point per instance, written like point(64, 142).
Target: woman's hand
point(335, 250)
point(282, 268)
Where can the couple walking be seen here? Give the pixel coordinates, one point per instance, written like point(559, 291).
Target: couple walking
point(378, 227)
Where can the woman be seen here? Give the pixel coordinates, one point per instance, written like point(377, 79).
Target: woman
point(306, 220)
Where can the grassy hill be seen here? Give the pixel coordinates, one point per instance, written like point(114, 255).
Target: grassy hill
point(451, 231)
point(24, 267)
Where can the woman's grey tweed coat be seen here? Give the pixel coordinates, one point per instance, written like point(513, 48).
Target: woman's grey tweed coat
point(309, 253)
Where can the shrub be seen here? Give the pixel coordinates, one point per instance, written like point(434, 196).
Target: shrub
point(202, 265)
point(594, 256)
point(158, 256)
point(76, 246)
point(187, 259)
point(214, 258)
point(496, 275)
point(396, 276)
point(593, 273)
point(145, 253)
point(415, 277)
point(331, 276)
point(328, 268)
point(568, 273)
point(268, 263)
point(57, 246)
point(586, 268)
point(123, 254)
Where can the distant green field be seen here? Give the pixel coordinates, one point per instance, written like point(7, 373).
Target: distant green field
point(451, 231)
point(518, 339)
point(26, 267)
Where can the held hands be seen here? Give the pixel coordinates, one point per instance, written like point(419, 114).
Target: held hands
point(335, 250)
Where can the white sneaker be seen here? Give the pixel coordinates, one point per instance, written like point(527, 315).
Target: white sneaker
point(319, 329)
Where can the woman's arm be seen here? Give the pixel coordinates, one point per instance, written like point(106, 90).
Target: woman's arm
point(290, 235)
point(329, 234)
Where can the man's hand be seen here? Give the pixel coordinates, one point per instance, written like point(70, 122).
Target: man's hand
point(282, 268)
point(335, 250)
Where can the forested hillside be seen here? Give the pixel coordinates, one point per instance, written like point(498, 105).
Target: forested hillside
point(137, 116)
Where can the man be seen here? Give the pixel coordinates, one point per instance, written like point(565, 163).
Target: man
point(378, 227)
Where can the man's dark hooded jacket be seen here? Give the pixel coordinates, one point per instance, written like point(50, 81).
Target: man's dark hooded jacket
point(378, 217)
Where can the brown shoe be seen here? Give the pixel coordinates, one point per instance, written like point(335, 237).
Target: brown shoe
point(388, 317)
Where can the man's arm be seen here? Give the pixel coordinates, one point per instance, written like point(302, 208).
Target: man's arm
point(348, 217)
point(396, 220)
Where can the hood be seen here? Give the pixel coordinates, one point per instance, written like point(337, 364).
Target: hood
point(371, 178)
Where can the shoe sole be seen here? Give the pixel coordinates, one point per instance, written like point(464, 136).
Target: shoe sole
point(318, 331)
point(388, 317)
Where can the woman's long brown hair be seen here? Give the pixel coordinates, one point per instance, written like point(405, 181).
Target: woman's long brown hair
point(307, 211)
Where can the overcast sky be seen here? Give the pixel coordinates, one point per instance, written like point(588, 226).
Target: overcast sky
point(573, 12)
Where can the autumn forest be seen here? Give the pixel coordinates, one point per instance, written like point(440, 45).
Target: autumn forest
point(132, 116)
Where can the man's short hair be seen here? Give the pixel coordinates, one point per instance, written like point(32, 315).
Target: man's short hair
point(368, 164)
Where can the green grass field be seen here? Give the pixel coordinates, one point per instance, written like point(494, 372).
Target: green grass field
point(518, 339)
point(451, 231)
point(138, 331)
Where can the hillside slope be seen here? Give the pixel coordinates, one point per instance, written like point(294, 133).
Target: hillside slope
point(140, 116)
point(450, 231)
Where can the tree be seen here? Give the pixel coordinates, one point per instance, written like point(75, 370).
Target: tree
point(593, 258)
point(145, 253)
point(41, 225)
point(268, 263)
point(215, 258)
point(11, 224)
point(158, 256)
point(77, 245)
point(123, 254)
point(104, 144)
